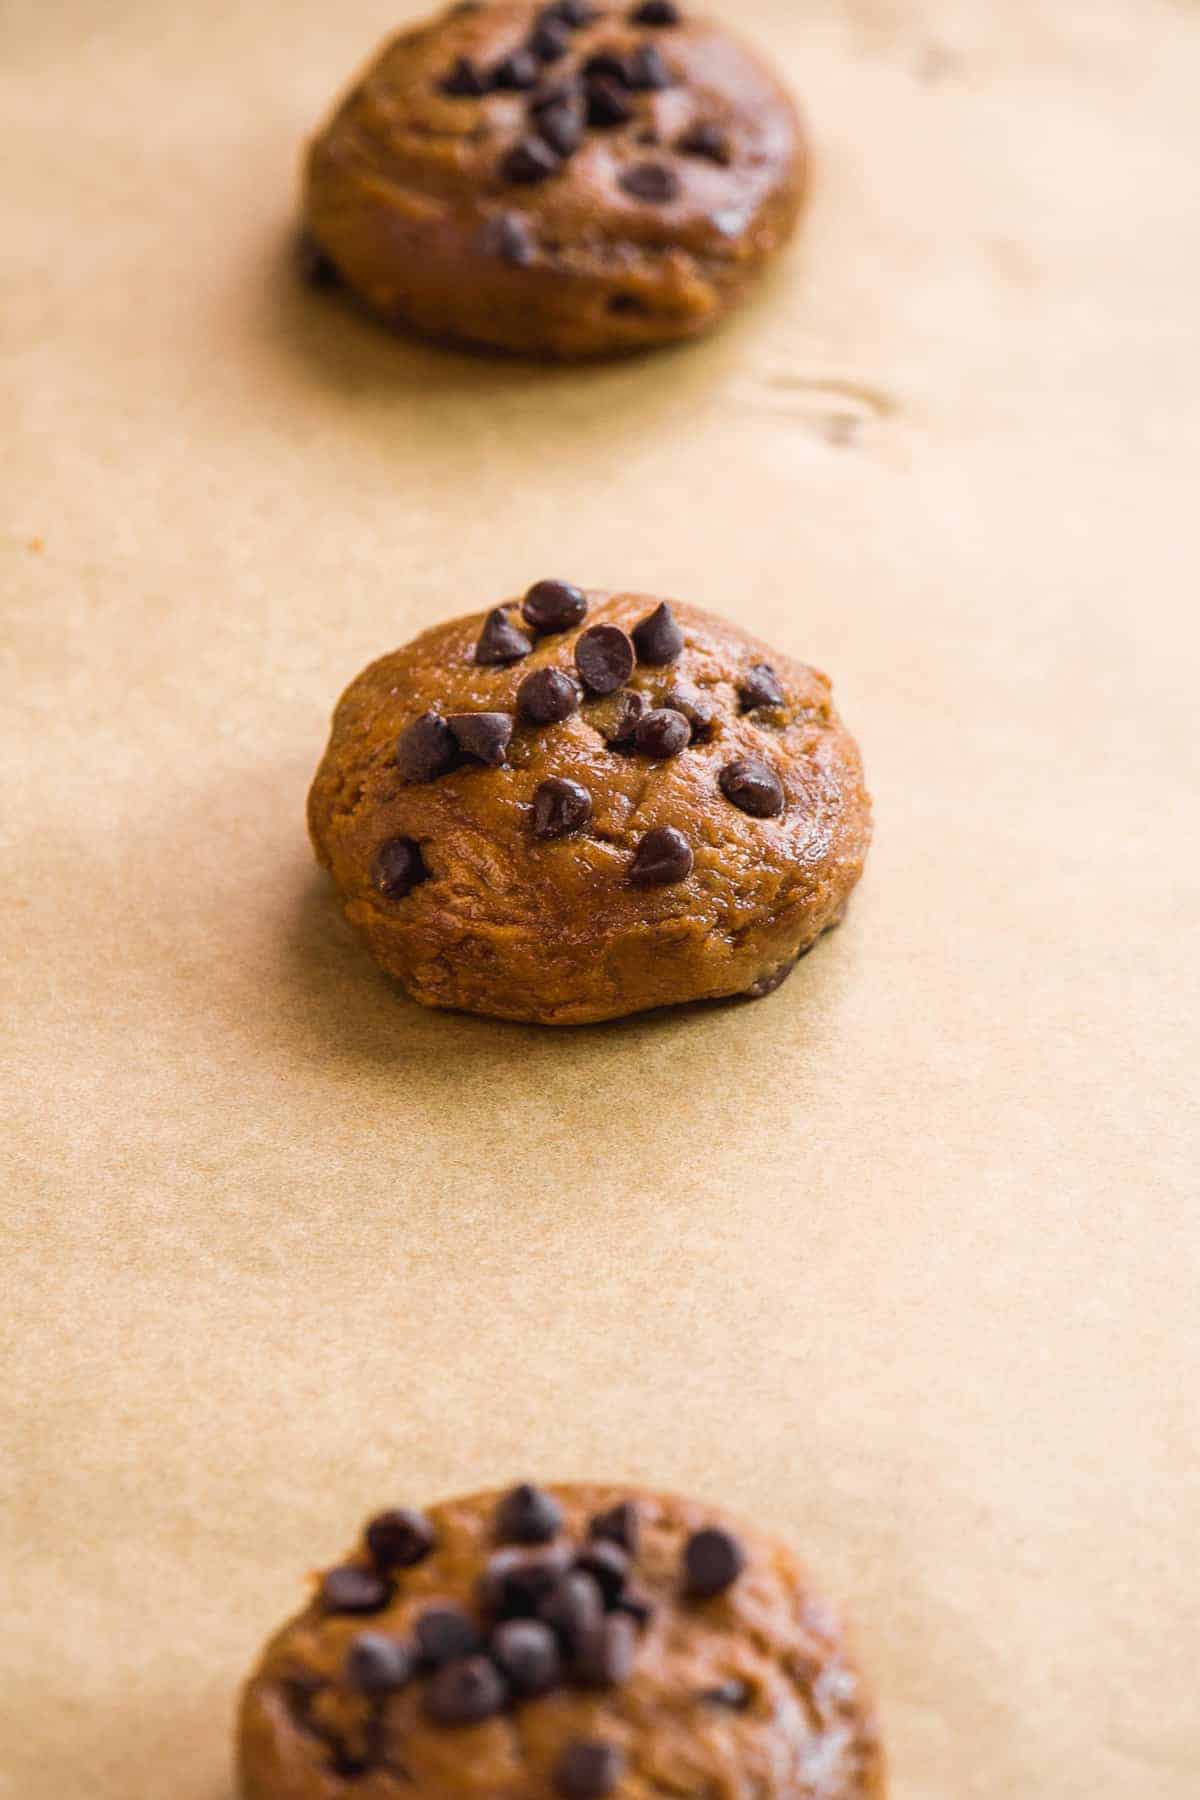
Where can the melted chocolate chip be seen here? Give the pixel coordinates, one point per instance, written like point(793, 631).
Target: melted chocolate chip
point(620, 1525)
point(652, 182)
point(708, 141)
point(656, 12)
point(550, 40)
point(426, 749)
point(517, 73)
point(528, 1515)
point(753, 787)
point(662, 734)
point(466, 1693)
point(607, 65)
point(637, 1604)
point(588, 1770)
point(606, 1655)
point(515, 1582)
point(648, 70)
point(657, 637)
point(500, 641)
point(351, 1589)
point(712, 1560)
point(399, 1539)
point(608, 103)
point(732, 1694)
point(315, 267)
point(562, 125)
point(465, 80)
point(760, 688)
point(574, 1607)
point(547, 697)
point(378, 1665)
point(484, 736)
point(445, 1634)
point(530, 160)
point(771, 983)
point(559, 808)
point(509, 237)
point(399, 867)
point(699, 712)
point(554, 606)
point(616, 717)
point(604, 657)
point(526, 1651)
point(663, 858)
point(608, 1566)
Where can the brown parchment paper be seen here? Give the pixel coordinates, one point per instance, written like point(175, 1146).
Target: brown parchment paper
point(903, 1261)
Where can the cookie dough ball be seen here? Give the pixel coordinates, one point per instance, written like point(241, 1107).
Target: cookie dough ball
point(560, 1645)
point(563, 180)
point(584, 805)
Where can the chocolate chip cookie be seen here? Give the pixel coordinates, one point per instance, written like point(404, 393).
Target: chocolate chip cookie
point(582, 805)
point(563, 180)
point(561, 1644)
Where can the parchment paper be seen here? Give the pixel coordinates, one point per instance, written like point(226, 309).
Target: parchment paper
point(903, 1261)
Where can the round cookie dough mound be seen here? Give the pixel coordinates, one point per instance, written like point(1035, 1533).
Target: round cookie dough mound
point(566, 180)
point(684, 826)
point(561, 1644)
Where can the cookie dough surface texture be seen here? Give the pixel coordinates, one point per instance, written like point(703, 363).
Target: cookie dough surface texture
point(561, 180)
point(640, 808)
point(558, 1645)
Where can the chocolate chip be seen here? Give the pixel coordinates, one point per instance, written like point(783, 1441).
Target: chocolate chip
point(351, 1589)
point(378, 1665)
point(484, 736)
point(426, 749)
point(517, 73)
point(605, 1656)
point(527, 1653)
point(712, 1560)
point(699, 712)
point(465, 80)
point(608, 104)
point(772, 982)
point(663, 858)
point(574, 1607)
point(399, 868)
point(657, 637)
point(620, 1525)
point(466, 1693)
point(547, 697)
point(616, 717)
point(554, 606)
point(515, 1582)
point(588, 1770)
point(500, 641)
point(733, 1694)
point(508, 236)
point(528, 1515)
point(652, 182)
point(561, 125)
point(549, 40)
point(604, 657)
point(530, 160)
point(637, 1604)
point(708, 141)
point(399, 1539)
point(572, 12)
point(753, 787)
point(760, 688)
point(445, 1633)
point(656, 12)
point(607, 65)
point(608, 1566)
point(662, 734)
point(559, 808)
point(648, 70)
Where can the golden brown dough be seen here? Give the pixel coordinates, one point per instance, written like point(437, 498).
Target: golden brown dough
point(715, 839)
point(693, 1661)
point(507, 176)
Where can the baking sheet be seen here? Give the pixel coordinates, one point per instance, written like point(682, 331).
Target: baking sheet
point(904, 1260)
